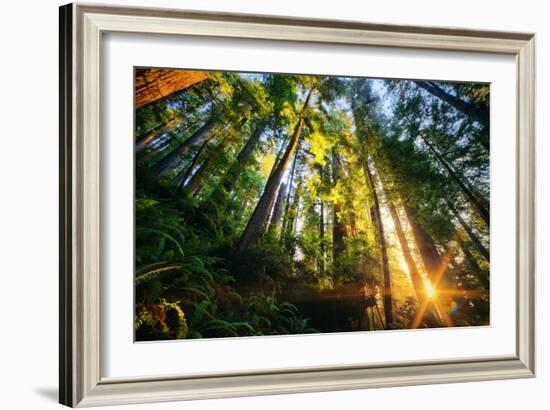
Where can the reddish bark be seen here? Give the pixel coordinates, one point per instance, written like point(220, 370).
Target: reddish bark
point(152, 84)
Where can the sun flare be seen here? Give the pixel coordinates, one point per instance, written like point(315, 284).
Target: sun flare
point(430, 291)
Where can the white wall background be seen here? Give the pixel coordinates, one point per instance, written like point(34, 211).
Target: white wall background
point(28, 201)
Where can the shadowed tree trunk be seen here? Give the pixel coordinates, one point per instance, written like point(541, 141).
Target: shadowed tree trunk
point(291, 214)
point(273, 169)
point(322, 238)
point(296, 208)
point(278, 207)
point(476, 241)
point(258, 221)
point(352, 214)
point(424, 242)
point(338, 227)
point(152, 84)
point(480, 274)
point(416, 278)
point(433, 263)
point(194, 185)
point(182, 177)
point(278, 157)
point(322, 248)
point(477, 200)
point(289, 192)
point(476, 112)
point(360, 104)
point(162, 141)
point(200, 136)
point(377, 219)
point(143, 140)
point(185, 173)
point(176, 120)
point(243, 159)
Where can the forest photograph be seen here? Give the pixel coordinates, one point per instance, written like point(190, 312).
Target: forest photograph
point(283, 204)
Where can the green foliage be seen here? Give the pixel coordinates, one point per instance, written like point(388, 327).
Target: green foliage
point(162, 320)
point(182, 291)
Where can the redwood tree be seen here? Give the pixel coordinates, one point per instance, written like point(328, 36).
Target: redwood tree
point(153, 84)
point(258, 221)
point(203, 134)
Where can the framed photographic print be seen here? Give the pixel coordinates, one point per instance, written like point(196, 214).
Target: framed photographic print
point(259, 205)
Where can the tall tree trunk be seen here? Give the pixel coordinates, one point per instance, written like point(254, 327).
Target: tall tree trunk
point(476, 241)
point(273, 169)
point(243, 159)
point(195, 183)
point(291, 214)
point(352, 214)
point(278, 208)
point(433, 264)
point(258, 221)
point(388, 308)
point(161, 142)
point(365, 129)
point(426, 246)
point(200, 136)
point(338, 227)
point(185, 173)
point(176, 120)
point(416, 278)
point(287, 202)
point(322, 238)
point(480, 274)
point(143, 140)
point(278, 157)
point(295, 208)
point(322, 247)
point(152, 84)
point(478, 201)
point(476, 112)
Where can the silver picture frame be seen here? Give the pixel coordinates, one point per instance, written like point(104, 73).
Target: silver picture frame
point(81, 30)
